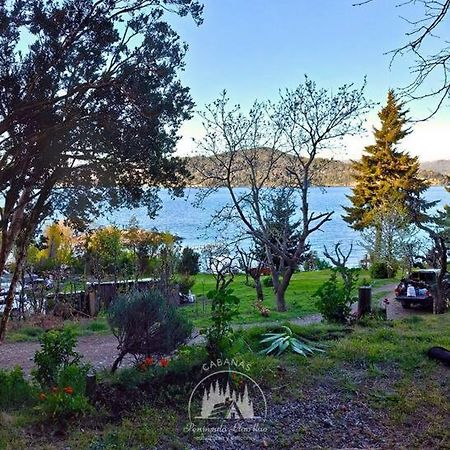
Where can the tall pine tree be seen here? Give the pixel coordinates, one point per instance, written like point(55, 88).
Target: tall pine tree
point(386, 177)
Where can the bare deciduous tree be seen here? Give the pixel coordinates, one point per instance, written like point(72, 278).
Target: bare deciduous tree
point(218, 260)
point(253, 267)
point(282, 139)
point(340, 261)
point(428, 42)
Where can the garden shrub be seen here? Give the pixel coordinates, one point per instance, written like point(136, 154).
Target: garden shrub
point(145, 323)
point(74, 376)
point(334, 300)
point(379, 270)
point(267, 282)
point(62, 379)
point(15, 391)
point(57, 352)
point(220, 334)
point(67, 398)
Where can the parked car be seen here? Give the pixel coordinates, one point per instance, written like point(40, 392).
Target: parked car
point(418, 288)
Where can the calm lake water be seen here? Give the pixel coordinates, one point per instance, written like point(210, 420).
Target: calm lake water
point(179, 216)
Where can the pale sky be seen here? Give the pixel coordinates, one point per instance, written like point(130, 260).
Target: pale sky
point(253, 48)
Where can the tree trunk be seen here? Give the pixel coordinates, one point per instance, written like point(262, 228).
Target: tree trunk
point(281, 301)
point(440, 300)
point(12, 291)
point(282, 287)
point(439, 306)
point(259, 289)
point(377, 245)
point(117, 361)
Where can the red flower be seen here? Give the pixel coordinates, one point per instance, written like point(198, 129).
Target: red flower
point(163, 362)
point(68, 390)
point(142, 367)
point(148, 361)
point(54, 389)
point(42, 396)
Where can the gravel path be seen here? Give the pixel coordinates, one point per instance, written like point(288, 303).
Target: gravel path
point(98, 350)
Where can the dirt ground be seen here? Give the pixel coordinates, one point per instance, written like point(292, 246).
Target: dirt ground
point(99, 351)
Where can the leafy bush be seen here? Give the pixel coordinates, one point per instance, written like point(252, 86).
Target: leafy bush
point(379, 270)
point(156, 376)
point(280, 342)
point(67, 398)
point(15, 391)
point(267, 282)
point(220, 334)
point(57, 352)
point(74, 376)
point(189, 262)
point(334, 299)
point(144, 323)
point(365, 282)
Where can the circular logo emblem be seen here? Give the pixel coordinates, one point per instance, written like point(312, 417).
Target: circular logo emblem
point(227, 394)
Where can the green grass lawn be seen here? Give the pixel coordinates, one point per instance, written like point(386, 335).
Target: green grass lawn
point(299, 298)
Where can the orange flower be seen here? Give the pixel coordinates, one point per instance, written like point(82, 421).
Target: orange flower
point(163, 362)
point(68, 390)
point(148, 361)
point(42, 396)
point(54, 389)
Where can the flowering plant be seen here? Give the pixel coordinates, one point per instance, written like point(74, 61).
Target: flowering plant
point(150, 361)
point(163, 362)
point(62, 403)
point(67, 398)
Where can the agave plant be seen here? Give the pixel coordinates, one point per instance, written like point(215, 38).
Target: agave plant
point(280, 342)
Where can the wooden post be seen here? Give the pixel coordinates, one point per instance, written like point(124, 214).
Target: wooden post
point(364, 301)
point(91, 384)
point(92, 304)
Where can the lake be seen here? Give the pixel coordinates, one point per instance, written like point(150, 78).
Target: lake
point(179, 216)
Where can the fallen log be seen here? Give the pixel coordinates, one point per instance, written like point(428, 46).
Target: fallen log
point(440, 353)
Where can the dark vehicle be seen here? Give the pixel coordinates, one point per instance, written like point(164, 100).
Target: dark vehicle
point(418, 288)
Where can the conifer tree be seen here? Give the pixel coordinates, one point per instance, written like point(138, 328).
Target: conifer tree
point(386, 177)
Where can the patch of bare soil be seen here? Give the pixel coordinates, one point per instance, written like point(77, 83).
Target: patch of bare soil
point(44, 321)
point(97, 350)
point(328, 414)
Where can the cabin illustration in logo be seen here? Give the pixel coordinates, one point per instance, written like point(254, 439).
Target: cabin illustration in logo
point(226, 403)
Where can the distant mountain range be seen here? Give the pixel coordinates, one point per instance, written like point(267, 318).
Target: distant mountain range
point(332, 173)
point(441, 166)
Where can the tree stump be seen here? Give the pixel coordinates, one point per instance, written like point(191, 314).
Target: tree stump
point(364, 301)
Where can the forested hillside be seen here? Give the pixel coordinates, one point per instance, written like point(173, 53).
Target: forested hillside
point(327, 173)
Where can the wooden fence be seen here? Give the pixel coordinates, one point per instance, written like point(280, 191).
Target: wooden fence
point(98, 295)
